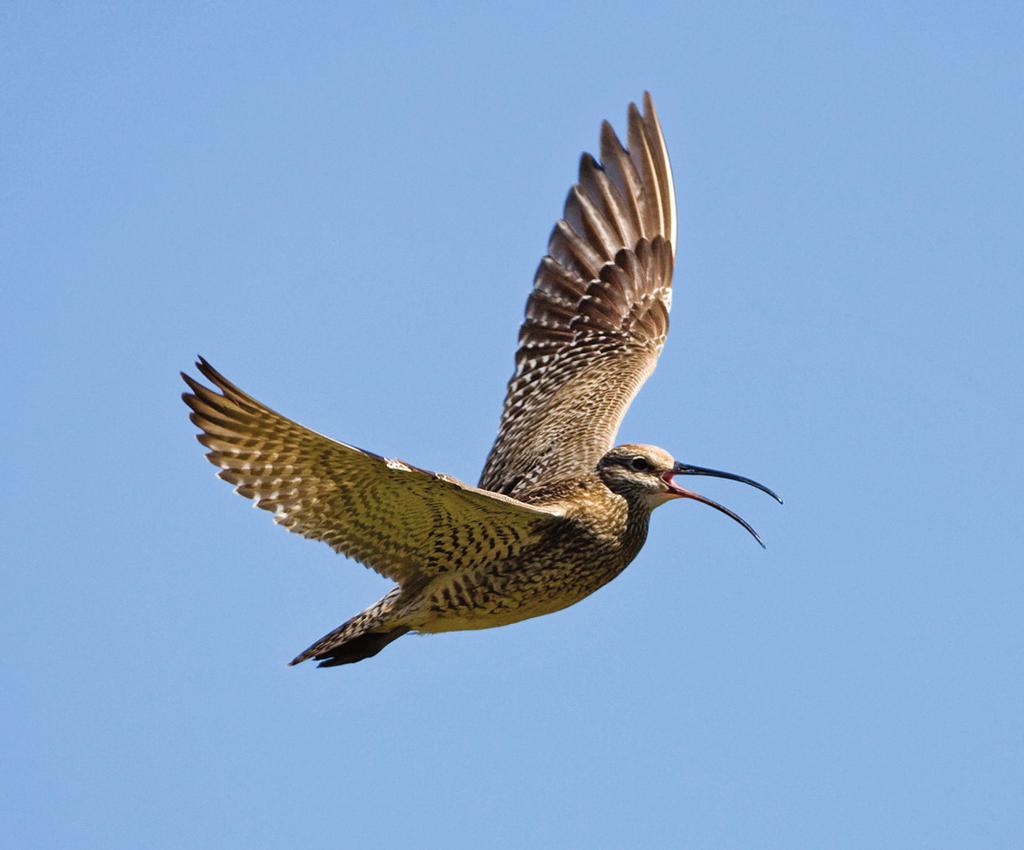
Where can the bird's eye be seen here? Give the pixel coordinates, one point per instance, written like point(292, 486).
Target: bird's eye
point(639, 464)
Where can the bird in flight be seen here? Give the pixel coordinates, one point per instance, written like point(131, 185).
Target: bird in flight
point(559, 510)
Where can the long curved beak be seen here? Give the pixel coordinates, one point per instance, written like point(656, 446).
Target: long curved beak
point(682, 492)
point(687, 469)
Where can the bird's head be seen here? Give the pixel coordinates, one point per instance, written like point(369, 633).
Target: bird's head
point(645, 474)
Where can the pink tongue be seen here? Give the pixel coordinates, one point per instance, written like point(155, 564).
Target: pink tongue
point(673, 487)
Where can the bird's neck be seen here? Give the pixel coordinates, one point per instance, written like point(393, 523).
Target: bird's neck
point(636, 522)
point(609, 515)
point(624, 518)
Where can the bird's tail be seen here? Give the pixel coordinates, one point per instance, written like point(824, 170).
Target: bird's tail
point(363, 636)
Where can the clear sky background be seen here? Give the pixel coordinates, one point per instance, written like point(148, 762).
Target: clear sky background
point(342, 208)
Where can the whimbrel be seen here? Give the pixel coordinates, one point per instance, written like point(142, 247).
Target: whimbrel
point(558, 511)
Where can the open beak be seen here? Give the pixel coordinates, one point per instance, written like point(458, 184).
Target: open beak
point(683, 493)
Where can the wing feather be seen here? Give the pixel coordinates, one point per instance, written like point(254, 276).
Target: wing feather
point(597, 317)
point(391, 516)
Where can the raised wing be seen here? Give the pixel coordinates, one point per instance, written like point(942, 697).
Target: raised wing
point(404, 522)
point(597, 318)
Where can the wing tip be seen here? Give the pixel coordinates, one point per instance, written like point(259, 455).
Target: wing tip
point(649, 103)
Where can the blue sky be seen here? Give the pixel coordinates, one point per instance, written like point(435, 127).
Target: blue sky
point(342, 208)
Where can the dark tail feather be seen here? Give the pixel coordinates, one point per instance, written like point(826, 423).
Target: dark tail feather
point(348, 652)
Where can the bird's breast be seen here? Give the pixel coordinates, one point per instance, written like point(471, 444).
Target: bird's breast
point(570, 561)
